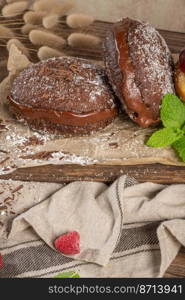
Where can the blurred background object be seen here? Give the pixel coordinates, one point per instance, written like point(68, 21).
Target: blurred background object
point(168, 14)
point(47, 28)
point(163, 14)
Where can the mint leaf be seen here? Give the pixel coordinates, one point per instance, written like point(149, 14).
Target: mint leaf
point(173, 118)
point(179, 146)
point(183, 128)
point(172, 111)
point(164, 137)
point(71, 274)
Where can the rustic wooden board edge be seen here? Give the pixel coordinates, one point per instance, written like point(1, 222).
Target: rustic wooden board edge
point(154, 173)
point(157, 173)
point(177, 268)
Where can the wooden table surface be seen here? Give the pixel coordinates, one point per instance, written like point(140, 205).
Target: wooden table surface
point(105, 173)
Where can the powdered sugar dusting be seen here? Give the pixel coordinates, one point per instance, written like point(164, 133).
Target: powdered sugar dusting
point(152, 60)
point(63, 84)
point(71, 158)
point(121, 142)
point(21, 140)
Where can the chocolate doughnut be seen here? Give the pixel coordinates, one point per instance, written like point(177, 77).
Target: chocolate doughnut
point(139, 66)
point(63, 95)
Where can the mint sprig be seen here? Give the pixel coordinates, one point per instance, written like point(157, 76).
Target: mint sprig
point(172, 112)
point(164, 137)
point(173, 119)
point(179, 146)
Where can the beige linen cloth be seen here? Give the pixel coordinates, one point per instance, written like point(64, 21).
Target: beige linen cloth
point(126, 229)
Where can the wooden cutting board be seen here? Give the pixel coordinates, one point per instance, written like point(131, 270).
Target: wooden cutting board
point(106, 173)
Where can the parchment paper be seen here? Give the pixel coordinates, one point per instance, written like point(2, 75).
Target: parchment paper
point(121, 143)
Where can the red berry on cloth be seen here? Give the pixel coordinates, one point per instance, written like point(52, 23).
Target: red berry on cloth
point(1, 261)
point(68, 243)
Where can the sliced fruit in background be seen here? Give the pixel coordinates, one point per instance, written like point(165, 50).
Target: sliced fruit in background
point(180, 83)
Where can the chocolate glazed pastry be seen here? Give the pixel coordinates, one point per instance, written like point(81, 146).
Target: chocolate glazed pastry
point(63, 95)
point(139, 66)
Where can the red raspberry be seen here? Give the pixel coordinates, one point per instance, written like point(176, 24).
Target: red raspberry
point(1, 261)
point(68, 243)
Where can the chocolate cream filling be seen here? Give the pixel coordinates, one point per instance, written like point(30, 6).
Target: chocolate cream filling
point(135, 106)
point(60, 117)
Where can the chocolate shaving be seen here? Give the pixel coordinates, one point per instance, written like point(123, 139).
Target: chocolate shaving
point(8, 199)
point(7, 158)
point(74, 68)
point(45, 155)
point(112, 133)
point(6, 169)
point(62, 157)
point(2, 126)
point(113, 145)
point(17, 189)
point(13, 166)
point(3, 151)
point(33, 141)
point(3, 207)
point(66, 75)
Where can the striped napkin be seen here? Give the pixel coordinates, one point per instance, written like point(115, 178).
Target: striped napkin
point(126, 229)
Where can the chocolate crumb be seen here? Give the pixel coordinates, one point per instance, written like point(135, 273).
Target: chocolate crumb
point(74, 68)
point(45, 155)
point(2, 126)
point(113, 145)
point(33, 141)
point(3, 151)
point(8, 199)
point(13, 166)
